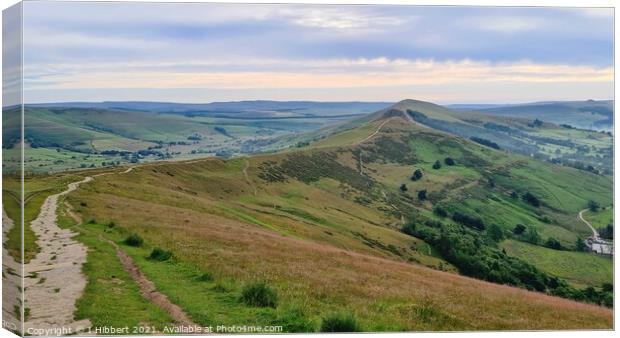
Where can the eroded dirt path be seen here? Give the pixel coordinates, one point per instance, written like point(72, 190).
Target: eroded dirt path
point(147, 287)
point(594, 232)
point(53, 279)
point(247, 177)
point(374, 133)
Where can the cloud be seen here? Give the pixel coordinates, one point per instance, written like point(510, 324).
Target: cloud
point(89, 46)
point(505, 24)
point(324, 74)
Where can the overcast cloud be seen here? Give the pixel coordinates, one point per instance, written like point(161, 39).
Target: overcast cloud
point(216, 52)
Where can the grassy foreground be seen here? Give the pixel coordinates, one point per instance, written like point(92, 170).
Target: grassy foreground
point(321, 277)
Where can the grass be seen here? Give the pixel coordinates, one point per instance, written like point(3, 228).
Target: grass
point(259, 294)
point(321, 250)
point(111, 297)
point(579, 268)
point(36, 190)
point(317, 279)
point(601, 218)
point(133, 240)
point(340, 322)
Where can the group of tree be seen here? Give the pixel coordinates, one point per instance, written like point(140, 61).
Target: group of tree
point(477, 257)
point(485, 142)
point(531, 199)
point(467, 220)
point(526, 234)
point(607, 232)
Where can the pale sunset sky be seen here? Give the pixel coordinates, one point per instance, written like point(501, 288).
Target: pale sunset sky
point(192, 52)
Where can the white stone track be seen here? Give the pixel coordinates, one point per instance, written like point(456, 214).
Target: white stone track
point(54, 279)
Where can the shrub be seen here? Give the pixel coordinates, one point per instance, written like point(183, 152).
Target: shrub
point(134, 240)
point(437, 165)
point(422, 195)
point(519, 229)
point(580, 245)
point(485, 142)
point(495, 233)
point(160, 255)
point(294, 320)
point(532, 236)
point(439, 211)
point(593, 206)
point(449, 161)
point(470, 221)
point(417, 174)
point(553, 243)
point(339, 322)
point(531, 199)
point(403, 187)
point(259, 294)
point(111, 224)
point(205, 277)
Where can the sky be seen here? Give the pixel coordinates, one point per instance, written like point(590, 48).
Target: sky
point(198, 52)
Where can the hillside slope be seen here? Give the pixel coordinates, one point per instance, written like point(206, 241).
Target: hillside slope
point(329, 227)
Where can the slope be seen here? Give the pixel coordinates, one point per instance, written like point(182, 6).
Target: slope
point(322, 226)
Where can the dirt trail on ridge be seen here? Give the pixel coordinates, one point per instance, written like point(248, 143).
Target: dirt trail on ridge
point(54, 279)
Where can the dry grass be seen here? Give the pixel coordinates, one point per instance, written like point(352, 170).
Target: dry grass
point(179, 207)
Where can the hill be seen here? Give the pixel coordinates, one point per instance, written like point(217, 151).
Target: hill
point(588, 114)
point(64, 136)
point(343, 226)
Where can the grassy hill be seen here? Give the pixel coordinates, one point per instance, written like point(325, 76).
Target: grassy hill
point(77, 135)
point(588, 114)
point(338, 229)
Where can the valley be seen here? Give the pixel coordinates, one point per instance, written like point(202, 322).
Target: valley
point(410, 217)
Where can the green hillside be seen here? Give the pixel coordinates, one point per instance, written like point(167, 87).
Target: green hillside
point(385, 220)
point(588, 114)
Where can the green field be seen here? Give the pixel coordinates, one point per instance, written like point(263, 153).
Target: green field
point(339, 228)
point(580, 268)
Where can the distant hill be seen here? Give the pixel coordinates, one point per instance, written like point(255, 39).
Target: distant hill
point(588, 114)
point(262, 106)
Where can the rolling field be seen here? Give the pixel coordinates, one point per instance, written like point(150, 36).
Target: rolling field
point(579, 268)
point(340, 227)
point(318, 280)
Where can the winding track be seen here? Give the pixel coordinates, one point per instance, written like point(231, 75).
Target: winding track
point(54, 279)
point(594, 232)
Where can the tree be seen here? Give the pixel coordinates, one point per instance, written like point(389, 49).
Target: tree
point(417, 174)
point(607, 232)
point(403, 187)
point(553, 243)
point(495, 233)
point(532, 236)
point(422, 195)
point(580, 245)
point(531, 199)
point(519, 229)
point(439, 211)
point(593, 206)
point(437, 165)
point(449, 161)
